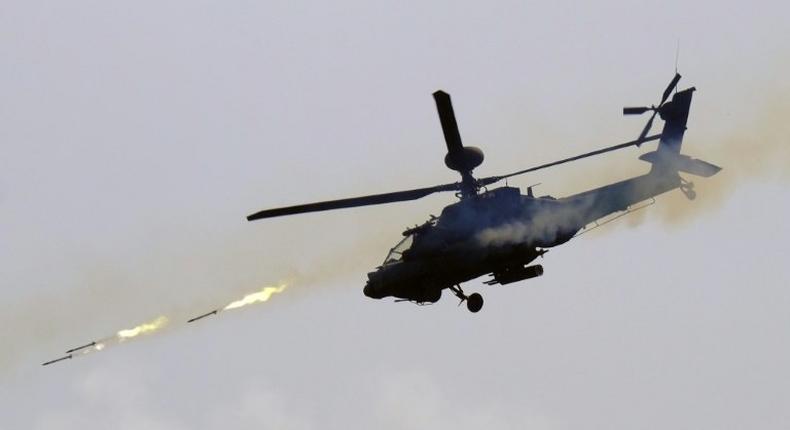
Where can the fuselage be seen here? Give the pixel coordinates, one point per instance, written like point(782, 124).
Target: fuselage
point(498, 232)
point(491, 232)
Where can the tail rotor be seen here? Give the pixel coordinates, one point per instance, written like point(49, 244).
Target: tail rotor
point(656, 109)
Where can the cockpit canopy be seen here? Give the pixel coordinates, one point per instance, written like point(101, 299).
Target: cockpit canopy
point(396, 253)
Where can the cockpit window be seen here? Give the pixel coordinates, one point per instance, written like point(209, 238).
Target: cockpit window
point(396, 253)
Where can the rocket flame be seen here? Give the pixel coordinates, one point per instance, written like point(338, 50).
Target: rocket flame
point(94, 348)
point(142, 328)
point(259, 297)
point(121, 336)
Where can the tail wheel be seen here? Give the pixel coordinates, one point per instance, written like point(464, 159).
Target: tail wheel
point(474, 302)
point(687, 187)
point(688, 190)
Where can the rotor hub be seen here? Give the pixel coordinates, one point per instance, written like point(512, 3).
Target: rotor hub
point(465, 159)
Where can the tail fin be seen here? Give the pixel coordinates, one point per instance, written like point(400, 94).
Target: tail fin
point(667, 158)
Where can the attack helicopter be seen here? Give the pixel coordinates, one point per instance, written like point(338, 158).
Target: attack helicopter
point(499, 232)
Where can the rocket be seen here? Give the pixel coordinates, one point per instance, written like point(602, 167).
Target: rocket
point(56, 360)
point(81, 347)
point(214, 312)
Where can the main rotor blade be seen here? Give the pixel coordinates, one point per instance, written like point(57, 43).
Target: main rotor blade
point(670, 87)
point(375, 199)
point(452, 137)
point(491, 179)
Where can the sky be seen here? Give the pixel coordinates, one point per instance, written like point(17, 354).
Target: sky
point(136, 136)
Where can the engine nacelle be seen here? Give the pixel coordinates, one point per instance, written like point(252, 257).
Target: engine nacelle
point(511, 275)
point(464, 160)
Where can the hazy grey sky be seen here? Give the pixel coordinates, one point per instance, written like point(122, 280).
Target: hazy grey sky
point(136, 136)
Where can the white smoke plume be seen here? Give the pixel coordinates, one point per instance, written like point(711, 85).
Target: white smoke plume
point(542, 226)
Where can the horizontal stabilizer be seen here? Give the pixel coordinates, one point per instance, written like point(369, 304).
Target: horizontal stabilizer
point(681, 163)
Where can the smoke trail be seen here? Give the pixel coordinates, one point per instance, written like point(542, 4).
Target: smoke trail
point(157, 324)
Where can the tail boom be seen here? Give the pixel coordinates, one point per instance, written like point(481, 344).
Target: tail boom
point(667, 162)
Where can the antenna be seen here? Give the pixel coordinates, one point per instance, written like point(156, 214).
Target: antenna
point(529, 189)
point(677, 57)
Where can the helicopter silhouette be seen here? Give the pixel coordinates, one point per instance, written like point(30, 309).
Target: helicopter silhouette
point(499, 232)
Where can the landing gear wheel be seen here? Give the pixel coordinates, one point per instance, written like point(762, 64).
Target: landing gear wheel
point(474, 302)
point(687, 187)
point(688, 192)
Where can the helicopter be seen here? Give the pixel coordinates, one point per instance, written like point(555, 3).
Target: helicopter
point(499, 232)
